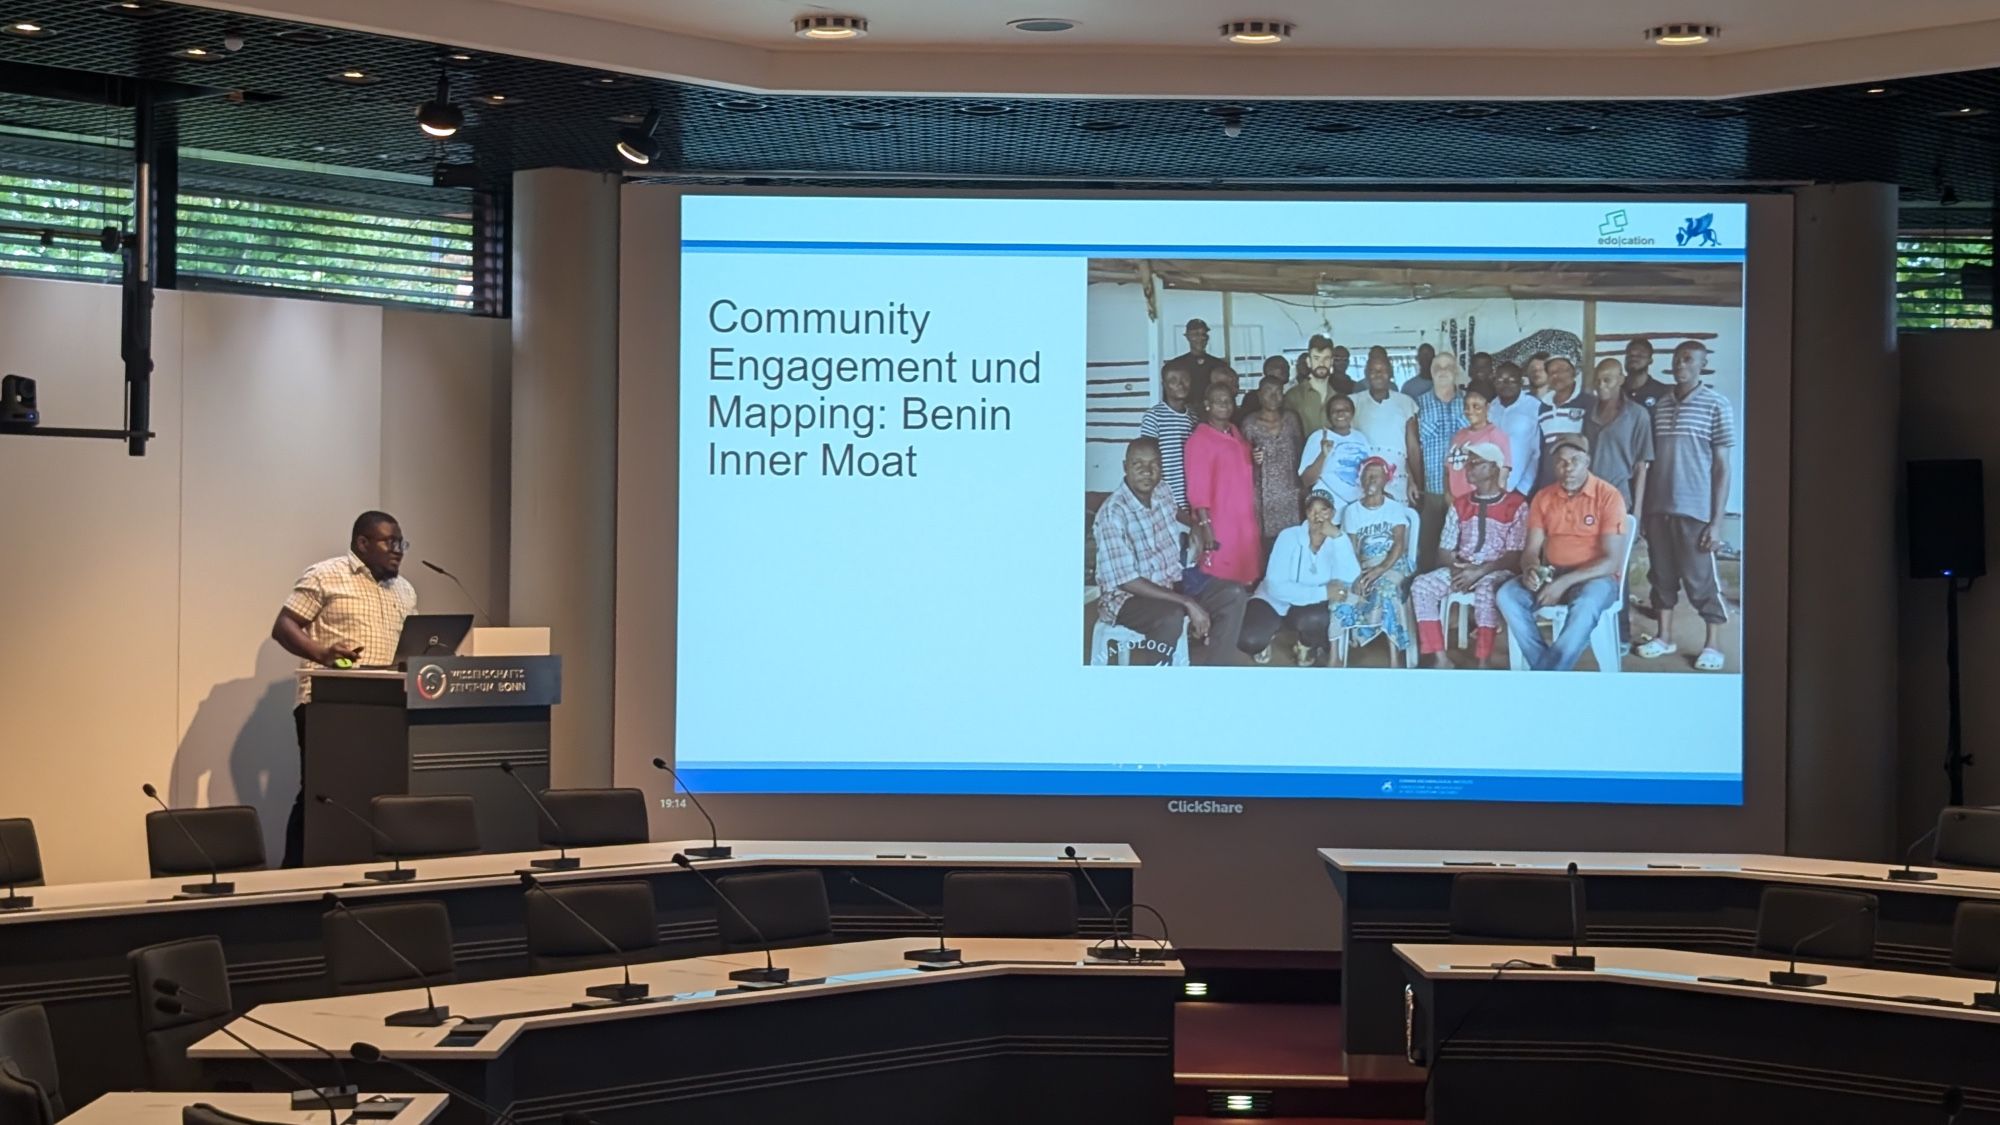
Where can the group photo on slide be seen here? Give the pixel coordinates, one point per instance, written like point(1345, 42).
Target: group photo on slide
point(1528, 465)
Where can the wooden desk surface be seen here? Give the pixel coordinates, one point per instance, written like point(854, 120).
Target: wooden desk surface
point(687, 985)
point(1845, 987)
point(147, 1108)
point(1853, 875)
point(83, 900)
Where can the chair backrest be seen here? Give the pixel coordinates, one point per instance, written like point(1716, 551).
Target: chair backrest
point(790, 908)
point(594, 818)
point(1514, 907)
point(1787, 916)
point(231, 835)
point(623, 910)
point(21, 859)
point(424, 826)
point(23, 1102)
point(198, 966)
point(356, 962)
point(1975, 938)
point(1010, 904)
point(28, 1059)
point(1967, 838)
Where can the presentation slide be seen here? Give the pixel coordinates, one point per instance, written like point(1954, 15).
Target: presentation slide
point(1208, 498)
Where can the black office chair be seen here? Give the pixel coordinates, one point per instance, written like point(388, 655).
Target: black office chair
point(1787, 916)
point(1975, 938)
point(1514, 908)
point(1038, 904)
point(232, 836)
point(425, 827)
point(790, 907)
point(30, 1088)
point(21, 859)
point(594, 818)
point(1967, 838)
point(198, 966)
point(623, 910)
point(356, 962)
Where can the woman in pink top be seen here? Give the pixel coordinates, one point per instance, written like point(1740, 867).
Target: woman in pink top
point(1479, 426)
point(1221, 488)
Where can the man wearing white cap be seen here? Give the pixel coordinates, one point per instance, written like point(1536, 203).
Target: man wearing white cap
point(1478, 549)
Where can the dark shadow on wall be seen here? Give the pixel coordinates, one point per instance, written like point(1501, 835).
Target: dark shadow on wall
point(242, 749)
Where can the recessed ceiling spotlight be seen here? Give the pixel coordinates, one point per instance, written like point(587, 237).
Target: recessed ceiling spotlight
point(1875, 91)
point(1230, 110)
point(640, 143)
point(1042, 25)
point(1962, 112)
point(134, 8)
point(984, 109)
point(1571, 130)
point(458, 58)
point(1716, 112)
point(354, 76)
point(1473, 112)
point(1811, 127)
point(199, 54)
point(1682, 34)
point(742, 105)
point(869, 125)
point(1333, 127)
point(304, 36)
point(1101, 125)
point(499, 99)
point(1257, 33)
point(607, 82)
point(626, 118)
point(27, 29)
point(829, 27)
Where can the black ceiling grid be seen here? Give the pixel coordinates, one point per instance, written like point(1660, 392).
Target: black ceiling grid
point(277, 101)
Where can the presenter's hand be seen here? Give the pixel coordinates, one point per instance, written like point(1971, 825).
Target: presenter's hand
point(1197, 620)
point(340, 650)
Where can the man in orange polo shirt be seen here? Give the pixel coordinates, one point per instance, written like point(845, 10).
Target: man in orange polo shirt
point(1577, 532)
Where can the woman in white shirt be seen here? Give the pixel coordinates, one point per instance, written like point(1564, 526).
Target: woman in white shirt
point(1312, 564)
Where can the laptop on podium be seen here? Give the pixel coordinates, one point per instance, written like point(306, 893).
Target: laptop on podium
point(431, 634)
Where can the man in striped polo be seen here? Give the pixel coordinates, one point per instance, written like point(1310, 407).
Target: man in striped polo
point(1694, 431)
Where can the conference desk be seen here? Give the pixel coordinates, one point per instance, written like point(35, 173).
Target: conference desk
point(1693, 900)
point(69, 952)
point(1025, 1031)
point(275, 1109)
point(1669, 1036)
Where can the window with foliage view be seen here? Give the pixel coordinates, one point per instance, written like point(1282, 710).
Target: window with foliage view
point(268, 244)
point(1944, 282)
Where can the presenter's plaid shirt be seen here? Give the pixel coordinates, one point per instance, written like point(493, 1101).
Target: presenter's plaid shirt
point(1135, 540)
point(339, 600)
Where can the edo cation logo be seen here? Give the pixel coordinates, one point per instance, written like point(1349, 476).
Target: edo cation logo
point(1204, 806)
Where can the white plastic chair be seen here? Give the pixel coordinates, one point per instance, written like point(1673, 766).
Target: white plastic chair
point(1604, 644)
point(1411, 526)
point(1462, 601)
point(1107, 637)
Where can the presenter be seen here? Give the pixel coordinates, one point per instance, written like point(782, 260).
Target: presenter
point(346, 608)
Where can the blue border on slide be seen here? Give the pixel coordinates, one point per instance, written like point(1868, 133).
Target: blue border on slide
point(1683, 789)
point(1074, 250)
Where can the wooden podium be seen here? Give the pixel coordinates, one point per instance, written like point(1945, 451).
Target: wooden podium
point(442, 726)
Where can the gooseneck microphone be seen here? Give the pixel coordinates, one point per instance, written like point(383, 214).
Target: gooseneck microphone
point(432, 1014)
point(370, 1053)
point(484, 616)
point(928, 957)
point(13, 900)
point(1791, 977)
point(1120, 950)
point(563, 860)
point(1573, 959)
point(716, 849)
point(1908, 874)
point(343, 1093)
point(215, 885)
point(396, 874)
point(769, 974)
point(621, 993)
point(302, 1091)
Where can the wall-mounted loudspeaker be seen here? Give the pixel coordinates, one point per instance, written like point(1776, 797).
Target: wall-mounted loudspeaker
point(1947, 519)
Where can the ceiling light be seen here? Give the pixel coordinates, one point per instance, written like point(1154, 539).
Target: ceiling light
point(499, 99)
point(200, 55)
point(460, 58)
point(438, 117)
point(1682, 34)
point(133, 8)
point(622, 119)
point(354, 76)
point(1470, 112)
point(829, 27)
point(639, 145)
point(984, 109)
point(1257, 32)
point(1876, 91)
point(739, 105)
point(1100, 125)
point(607, 82)
point(305, 36)
point(27, 30)
point(1717, 112)
point(1042, 25)
point(1572, 130)
point(1333, 127)
point(1961, 112)
point(869, 125)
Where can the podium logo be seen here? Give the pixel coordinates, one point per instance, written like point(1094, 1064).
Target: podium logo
point(431, 682)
